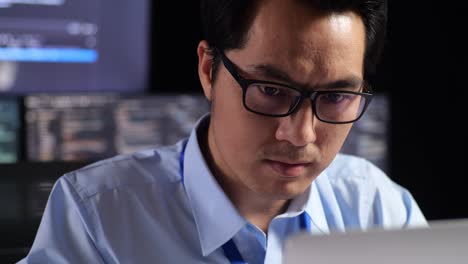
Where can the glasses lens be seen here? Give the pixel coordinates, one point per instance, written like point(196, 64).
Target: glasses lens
point(339, 106)
point(270, 99)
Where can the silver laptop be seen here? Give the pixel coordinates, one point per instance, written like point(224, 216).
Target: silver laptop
point(443, 242)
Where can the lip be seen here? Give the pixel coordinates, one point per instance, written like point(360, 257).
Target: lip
point(286, 169)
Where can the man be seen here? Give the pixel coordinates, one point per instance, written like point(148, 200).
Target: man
point(286, 80)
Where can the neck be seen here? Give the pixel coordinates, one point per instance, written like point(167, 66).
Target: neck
point(257, 209)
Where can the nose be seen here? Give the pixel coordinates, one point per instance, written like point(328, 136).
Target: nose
point(299, 127)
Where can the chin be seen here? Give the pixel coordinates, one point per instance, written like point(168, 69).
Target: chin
point(287, 191)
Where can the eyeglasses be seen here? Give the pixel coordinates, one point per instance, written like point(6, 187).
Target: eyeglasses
point(279, 100)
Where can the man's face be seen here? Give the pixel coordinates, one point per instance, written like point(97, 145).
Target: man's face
point(277, 158)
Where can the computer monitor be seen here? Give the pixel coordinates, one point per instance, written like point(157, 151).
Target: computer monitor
point(10, 123)
point(69, 127)
point(442, 242)
point(92, 127)
point(157, 120)
point(73, 45)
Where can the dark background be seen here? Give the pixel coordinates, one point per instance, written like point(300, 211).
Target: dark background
point(423, 72)
point(427, 62)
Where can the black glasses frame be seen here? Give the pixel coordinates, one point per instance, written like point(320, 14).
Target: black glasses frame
point(245, 83)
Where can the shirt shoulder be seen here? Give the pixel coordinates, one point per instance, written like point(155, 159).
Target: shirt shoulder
point(366, 196)
point(152, 166)
point(349, 168)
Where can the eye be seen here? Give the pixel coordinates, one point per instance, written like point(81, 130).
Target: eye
point(268, 90)
point(333, 98)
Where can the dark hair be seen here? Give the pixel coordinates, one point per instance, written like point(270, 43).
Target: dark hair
point(225, 23)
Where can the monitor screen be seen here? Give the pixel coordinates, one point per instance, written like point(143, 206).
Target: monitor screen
point(369, 136)
point(73, 45)
point(92, 127)
point(152, 121)
point(9, 130)
point(69, 127)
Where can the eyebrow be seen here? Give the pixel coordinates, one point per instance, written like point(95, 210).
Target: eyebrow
point(271, 72)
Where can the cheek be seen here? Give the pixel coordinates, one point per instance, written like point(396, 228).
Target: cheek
point(330, 139)
point(240, 133)
point(243, 135)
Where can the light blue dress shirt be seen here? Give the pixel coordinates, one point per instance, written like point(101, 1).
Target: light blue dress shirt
point(135, 209)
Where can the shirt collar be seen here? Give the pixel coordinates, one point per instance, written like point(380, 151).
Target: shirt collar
point(311, 203)
point(216, 218)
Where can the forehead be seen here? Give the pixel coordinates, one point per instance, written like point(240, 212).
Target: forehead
point(305, 40)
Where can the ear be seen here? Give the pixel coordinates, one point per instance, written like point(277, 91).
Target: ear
point(205, 61)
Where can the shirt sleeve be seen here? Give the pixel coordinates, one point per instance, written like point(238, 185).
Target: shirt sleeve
point(63, 235)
